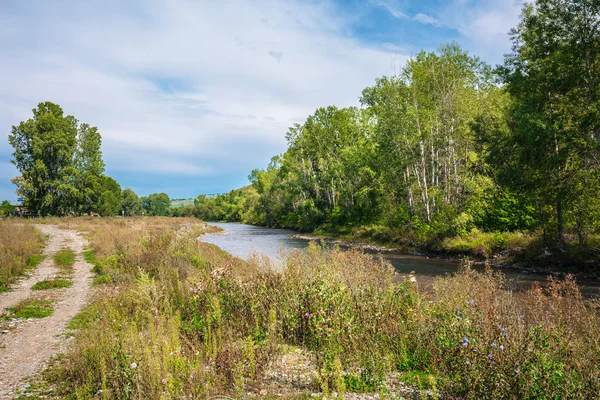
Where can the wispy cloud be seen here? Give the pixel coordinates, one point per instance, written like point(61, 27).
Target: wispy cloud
point(181, 87)
point(426, 19)
point(200, 91)
point(396, 13)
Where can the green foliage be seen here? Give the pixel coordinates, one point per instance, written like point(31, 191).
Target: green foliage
point(130, 203)
point(52, 284)
point(552, 77)
point(109, 204)
point(64, 258)
point(35, 260)
point(89, 256)
point(6, 208)
point(89, 168)
point(157, 204)
point(32, 308)
point(60, 163)
point(189, 307)
point(484, 244)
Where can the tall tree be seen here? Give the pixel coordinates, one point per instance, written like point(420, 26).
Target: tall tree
point(553, 75)
point(130, 203)
point(428, 153)
point(109, 200)
point(44, 147)
point(157, 204)
point(89, 167)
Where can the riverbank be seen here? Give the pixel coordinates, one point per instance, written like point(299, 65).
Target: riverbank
point(177, 318)
point(519, 253)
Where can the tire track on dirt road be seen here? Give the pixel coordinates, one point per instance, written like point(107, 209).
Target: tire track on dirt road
point(27, 349)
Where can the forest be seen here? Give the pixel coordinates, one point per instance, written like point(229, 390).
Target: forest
point(450, 147)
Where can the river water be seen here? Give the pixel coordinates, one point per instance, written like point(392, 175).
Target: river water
point(242, 240)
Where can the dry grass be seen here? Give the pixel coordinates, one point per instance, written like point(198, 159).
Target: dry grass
point(179, 318)
point(20, 248)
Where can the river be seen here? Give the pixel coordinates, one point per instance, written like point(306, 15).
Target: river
point(241, 240)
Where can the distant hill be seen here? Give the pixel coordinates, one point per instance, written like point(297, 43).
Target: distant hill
point(180, 203)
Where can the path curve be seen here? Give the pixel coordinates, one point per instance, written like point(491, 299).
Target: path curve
point(29, 347)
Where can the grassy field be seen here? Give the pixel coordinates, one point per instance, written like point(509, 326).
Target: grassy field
point(20, 248)
point(176, 318)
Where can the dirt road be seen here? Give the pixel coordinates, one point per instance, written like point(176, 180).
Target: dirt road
point(26, 346)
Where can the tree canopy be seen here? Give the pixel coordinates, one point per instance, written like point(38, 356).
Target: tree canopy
point(60, 160)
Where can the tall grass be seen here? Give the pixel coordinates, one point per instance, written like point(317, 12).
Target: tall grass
point(183, 319)
point(20, 248)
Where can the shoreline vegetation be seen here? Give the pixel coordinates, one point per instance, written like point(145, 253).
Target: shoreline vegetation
point(516, 258)
point(173, 316)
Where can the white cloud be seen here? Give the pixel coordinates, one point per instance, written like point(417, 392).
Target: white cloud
point(172, 84)
point(396, 13)
point(426, 19)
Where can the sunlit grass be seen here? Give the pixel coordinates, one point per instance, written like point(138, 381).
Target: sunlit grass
point(20, 248)
point(64, 258)
point(52, 284)
point(177, 317)
point(32, 308)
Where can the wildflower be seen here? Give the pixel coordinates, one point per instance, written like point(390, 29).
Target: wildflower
point(502, 347)
point(485, 389)
point(468, 362)
point(465, 342)
point(516, 372)
point(490, 355)
point(471, 301)
point(521, 316)
point(493, 344)
point(133, 365)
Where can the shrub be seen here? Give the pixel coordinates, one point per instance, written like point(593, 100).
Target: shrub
point(186, 319)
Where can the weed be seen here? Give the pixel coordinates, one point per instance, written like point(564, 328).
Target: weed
point(32, 308)
point(89, 256)
point(64, 258)
point(52, 284)
point(183, 319)
point(35, 260)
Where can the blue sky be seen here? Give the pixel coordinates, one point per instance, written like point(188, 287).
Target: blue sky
point(191, 95)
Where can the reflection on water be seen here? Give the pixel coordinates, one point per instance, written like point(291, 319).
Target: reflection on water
point(241, 240)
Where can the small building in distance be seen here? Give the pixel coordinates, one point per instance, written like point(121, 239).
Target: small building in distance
point(20, 211)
